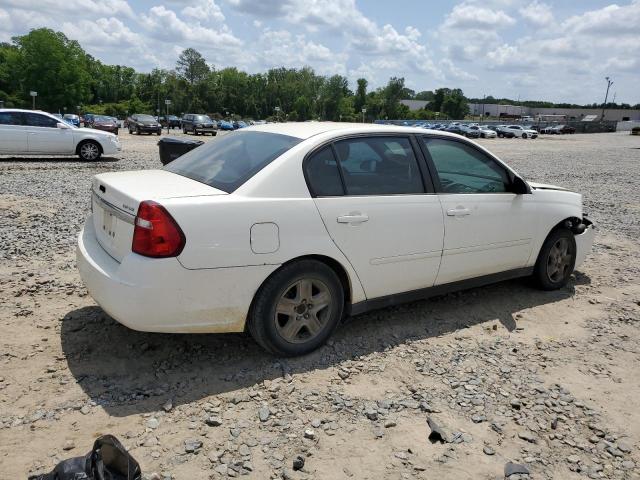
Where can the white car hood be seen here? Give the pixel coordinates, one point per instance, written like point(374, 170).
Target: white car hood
point(93, 131)
point(545, 186)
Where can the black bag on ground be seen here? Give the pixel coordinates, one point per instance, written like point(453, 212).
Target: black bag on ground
point(108, 460)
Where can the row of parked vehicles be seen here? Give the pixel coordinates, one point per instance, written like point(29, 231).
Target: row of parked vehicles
point(475, 130)
point(193, 123)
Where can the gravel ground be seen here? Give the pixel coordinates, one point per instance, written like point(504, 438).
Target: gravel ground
point(545, 380)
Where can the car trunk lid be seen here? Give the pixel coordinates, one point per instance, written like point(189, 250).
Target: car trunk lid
point(115, 198)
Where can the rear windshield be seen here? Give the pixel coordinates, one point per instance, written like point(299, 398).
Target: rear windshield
point(227, 162)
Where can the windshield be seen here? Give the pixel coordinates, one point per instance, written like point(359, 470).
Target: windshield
point(228, 162)
point(202, 118)
point(100, 118)
point(146, 118)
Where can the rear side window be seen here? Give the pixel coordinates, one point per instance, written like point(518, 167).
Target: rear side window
point(226, 163)
point(323, 175)
point(10, 118)
point(379, 166)
point(36, 120)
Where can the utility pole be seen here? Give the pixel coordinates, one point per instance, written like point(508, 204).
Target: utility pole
point(167, 102)
point(606, 95)
point(364, 110)
point(33, 94)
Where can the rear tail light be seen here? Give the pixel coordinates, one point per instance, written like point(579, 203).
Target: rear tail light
point(156, 234)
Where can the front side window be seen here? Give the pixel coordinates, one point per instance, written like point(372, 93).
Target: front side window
point(228, 162)
point(10, 118)
point(323, 175)
point(37, 120)
point(463, 169)
point(379, 166)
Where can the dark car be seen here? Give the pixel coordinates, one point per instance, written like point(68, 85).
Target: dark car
point(562, 129)
point(171, 120)
point(140, 123)
point(469, 131)
point(454, 129)
point(503, 132)
point(239, 124)
point(107, 124)
point(196, 123)
point(87, 118)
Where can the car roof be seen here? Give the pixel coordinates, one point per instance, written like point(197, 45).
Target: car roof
point(304, 130)
point(23, 110)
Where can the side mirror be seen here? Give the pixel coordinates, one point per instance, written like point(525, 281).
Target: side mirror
point(519, 186)
point(62, 125)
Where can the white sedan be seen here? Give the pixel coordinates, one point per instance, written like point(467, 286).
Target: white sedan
point(29, 132)
point(484, 131)
point(285, 229)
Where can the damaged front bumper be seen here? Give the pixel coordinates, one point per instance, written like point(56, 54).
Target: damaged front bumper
point(584, 231)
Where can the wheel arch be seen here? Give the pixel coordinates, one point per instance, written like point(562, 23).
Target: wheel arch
point(570, 223)
point(332, 263)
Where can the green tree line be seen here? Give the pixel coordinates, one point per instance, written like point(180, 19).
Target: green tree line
point(68, 79)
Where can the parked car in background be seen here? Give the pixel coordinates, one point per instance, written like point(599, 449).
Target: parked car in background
point(521, 132)
point(171, 120)
point(504, 132)
point(104, 123)
point(484, 131)
point(29, 132)
point(239, 124)
point(72, 119)
point(562, 129)
point(196, 123)
point(140, 123)
point(87, 118)
point(225, 125)
point(307, 223)
point(454, 128)
point(468, 131)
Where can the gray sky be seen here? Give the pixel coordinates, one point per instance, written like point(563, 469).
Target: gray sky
point(548, 50)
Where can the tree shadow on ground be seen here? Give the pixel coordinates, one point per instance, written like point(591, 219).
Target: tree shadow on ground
point(128, 372)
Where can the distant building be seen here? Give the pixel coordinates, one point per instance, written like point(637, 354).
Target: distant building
point(495, 110)
point(414, 104)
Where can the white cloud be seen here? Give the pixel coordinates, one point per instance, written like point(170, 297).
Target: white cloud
point(538, 14)
point(78, 8)
point(204, 11)
point(473, 16)
point(610, 20)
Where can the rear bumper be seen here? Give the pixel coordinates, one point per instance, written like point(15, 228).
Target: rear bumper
point(584, 243)
point(160, 295)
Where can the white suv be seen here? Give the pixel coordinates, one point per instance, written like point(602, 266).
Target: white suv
point(520, 131)
point(29, 132)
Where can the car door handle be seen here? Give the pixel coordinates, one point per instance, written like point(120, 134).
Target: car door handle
point(353, 218)
point(458, 212)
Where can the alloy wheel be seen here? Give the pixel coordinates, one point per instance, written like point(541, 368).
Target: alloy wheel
point(559, 260)
point(303, 310)
point(89, 151)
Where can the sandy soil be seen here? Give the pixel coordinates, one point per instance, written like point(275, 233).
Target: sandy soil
point(549, 380)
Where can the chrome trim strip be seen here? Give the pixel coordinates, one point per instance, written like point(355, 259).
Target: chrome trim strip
point(115, 211)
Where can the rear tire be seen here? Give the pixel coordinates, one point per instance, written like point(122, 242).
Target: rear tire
point(297, 309)
point(556, 260)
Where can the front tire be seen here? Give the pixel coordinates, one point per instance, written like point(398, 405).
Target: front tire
point(89, 151)
point(556, 260)
point(524, 135)
point(297, 309)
